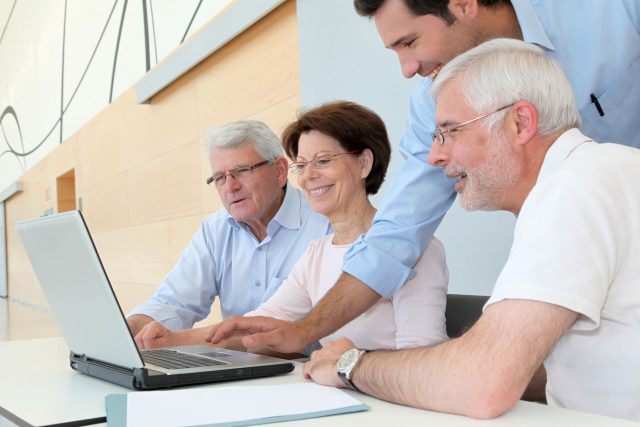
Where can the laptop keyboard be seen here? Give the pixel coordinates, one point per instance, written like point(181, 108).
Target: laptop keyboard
point(171, 359)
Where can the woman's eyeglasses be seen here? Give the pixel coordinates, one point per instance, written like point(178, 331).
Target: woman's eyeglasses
point(319, 162)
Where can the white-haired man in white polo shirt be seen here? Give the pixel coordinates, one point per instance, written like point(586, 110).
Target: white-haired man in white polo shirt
point(569, 294)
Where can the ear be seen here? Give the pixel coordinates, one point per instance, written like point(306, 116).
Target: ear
point(525, 116)
point(464, 8)
point(366, 162)
point(282, 168)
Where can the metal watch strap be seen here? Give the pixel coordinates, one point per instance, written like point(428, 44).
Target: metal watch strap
point(347, 377)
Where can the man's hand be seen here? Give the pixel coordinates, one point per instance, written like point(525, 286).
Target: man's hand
point(137, 322)
point(260, 332)
point(154, 335)
point(345, 301)
point(321, 366)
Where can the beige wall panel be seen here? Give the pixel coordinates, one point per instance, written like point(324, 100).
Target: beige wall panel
point(155, 248)
point(104, 205)
point(166, 187)
point(145, 254)
point(253, 72)
point(170, 121)
point(101, 151)
point(279, 115)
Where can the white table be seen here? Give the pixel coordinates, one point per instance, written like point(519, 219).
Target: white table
point(38, 388)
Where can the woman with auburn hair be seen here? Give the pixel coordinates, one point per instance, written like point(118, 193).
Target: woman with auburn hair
point(340, 154)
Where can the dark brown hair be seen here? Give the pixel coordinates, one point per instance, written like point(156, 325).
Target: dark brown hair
point(355, 127)
point(439, 8)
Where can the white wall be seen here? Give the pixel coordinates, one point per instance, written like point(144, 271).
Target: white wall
point(31, 64)
point(342, 57)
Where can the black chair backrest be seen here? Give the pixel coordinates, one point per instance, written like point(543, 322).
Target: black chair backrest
point(462, 312)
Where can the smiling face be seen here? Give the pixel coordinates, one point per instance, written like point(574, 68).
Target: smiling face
point(423, 43)
point(484, 164)
point(253, 199)
point(338, 186)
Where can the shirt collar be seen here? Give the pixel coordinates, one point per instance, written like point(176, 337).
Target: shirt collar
point(530, 25)
point(560, 150)
point(288, 215)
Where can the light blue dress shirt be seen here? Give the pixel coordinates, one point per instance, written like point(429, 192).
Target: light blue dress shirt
point(598, 44)
point(225, 259)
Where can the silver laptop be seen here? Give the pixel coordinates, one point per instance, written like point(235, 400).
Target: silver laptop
point(77, 288)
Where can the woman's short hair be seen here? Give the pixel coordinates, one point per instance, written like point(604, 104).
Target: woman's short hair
point(354, 127)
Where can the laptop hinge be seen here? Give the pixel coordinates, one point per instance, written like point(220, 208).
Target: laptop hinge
point(105, 371)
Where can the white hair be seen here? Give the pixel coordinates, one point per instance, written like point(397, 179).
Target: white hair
point(235, 134)
point(503, 71)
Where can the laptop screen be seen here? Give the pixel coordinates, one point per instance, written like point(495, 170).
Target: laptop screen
point(74, 281)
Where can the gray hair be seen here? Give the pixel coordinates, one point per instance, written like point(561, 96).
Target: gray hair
point(235, 134)
point(502, 71)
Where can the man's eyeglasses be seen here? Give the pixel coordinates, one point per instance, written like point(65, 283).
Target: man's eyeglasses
point(238, 173)
point(438, 134)
point(318, 162)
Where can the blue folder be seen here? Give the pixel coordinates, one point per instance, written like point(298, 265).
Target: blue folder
point(117, 414)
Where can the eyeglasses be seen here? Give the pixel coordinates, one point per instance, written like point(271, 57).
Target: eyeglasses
point(438, 134)
point(238, 173)
point(318, 162)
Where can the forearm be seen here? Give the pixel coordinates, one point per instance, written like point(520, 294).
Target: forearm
point(431, 378)
point(348, 298)
point(481, 374)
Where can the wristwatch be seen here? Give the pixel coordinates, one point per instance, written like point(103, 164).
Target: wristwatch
point(347, 363)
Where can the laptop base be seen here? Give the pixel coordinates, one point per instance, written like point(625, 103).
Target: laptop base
point(148, 379)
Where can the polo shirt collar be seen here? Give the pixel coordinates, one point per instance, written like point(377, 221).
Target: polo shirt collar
point(560, 150)
point(530, 25)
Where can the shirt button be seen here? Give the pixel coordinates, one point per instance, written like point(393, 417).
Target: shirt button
point(257, 284)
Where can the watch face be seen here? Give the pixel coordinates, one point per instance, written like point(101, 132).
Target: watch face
point(348, 359)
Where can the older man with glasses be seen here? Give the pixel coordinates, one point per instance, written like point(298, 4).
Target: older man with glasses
point(568, 296)
point(241, 253)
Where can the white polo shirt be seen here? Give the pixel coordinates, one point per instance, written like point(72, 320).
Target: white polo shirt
point(577, 245)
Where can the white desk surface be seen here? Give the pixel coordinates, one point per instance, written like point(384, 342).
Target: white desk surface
point(38, 386)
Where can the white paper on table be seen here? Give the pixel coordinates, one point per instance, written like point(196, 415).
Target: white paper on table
point(231, 404)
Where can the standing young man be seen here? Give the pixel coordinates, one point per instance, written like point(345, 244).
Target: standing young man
point(426, 34)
